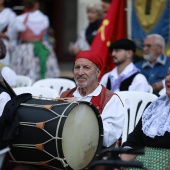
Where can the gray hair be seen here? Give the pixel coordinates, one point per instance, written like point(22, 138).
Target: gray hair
point(97, 7)
point(159, 40)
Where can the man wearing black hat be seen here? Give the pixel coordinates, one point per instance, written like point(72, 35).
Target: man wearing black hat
point(125, 76)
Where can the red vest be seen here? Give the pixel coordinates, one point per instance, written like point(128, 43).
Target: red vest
point(28, 35)
point(98, 101)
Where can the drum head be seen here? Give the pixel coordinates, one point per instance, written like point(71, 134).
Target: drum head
point(80, 137)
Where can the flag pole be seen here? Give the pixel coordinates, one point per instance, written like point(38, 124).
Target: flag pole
point(129, 16)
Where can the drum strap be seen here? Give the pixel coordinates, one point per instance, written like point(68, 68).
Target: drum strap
point(5, 87)
point(9, 121)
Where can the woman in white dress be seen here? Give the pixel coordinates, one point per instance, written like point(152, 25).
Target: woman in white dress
point(6, 16)
point(31, 56)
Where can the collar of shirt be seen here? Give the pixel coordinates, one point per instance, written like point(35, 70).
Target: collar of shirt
point(128, 69)
point(96, 92)
point(161, 60)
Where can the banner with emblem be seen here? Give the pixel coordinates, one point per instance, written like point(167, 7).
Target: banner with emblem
point(149, 17)
point(113, 27)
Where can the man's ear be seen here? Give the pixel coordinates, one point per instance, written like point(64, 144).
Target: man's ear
point(159, 49)
point(129, 53)
point(98, 72)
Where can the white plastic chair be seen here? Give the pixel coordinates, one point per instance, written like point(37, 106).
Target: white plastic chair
point(23, 81)
point(162, 92)
point(134, 105)
point(40, 92)
point(2, 155)
point(58, 84)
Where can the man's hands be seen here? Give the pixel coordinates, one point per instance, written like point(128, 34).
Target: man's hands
point(127, 157)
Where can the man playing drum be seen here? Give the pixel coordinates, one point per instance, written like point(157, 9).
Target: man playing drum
point(86, 72)
point(87, 68)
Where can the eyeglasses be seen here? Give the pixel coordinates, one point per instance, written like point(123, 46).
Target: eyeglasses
point(147, 45)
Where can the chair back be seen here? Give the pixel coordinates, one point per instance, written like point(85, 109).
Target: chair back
point(162, 92)
point(134, 104)
point(23, 81)
point(40, 92)
point(58, 84)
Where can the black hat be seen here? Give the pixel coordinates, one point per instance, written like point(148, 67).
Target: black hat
point(124, 44)
point(109, 1)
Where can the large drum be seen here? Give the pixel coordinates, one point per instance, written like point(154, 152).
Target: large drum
point(57, 134)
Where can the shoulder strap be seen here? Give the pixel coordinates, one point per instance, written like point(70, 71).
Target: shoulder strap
point(108, 85)
point(9, 122)
point(5, 87)
point(127, 82)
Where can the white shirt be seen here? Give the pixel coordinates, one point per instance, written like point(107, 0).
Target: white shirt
point(112, 116)
point(6, 17)
point(37, 22)
point(9, 75)
point(139, 82)
point(4, 98)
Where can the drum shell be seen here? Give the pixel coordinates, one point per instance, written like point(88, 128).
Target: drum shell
point(31, 135)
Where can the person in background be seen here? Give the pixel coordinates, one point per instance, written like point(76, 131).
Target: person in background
point(30, 55)
point(50, 38)
point(156, 64)
point(52, 63)
point(105, 5)
point(87, 68)
point(7, 73)
point(94, 16)
point(6, 16)
point(125, 76)
point(153, 129)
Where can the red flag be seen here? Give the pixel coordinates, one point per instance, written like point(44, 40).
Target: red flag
point(113, 27)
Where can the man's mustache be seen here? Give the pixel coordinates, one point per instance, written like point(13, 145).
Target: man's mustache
point(80, 76)
point(114, 57)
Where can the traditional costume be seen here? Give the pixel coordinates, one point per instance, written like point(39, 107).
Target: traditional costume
point(6, 17)
point(31, 56)
point(153, 133)
point(130, 78)
point(105, 101)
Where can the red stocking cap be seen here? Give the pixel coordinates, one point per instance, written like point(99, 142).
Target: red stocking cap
point(90, 55)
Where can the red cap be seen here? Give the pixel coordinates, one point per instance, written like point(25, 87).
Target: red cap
point(92, 56)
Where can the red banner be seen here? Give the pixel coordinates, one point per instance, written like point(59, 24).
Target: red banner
point(113, 27)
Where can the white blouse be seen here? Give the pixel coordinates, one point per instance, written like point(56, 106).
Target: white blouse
point(156, 118)
point(37, 22)
point(4, 98)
